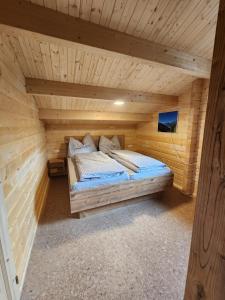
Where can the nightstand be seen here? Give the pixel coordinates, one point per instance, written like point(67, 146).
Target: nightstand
point(56, 167)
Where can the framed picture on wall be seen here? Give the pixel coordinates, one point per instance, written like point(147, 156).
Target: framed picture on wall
point(167, 121)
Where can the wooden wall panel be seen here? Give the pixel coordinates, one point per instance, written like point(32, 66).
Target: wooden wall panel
point(180, 150)
point(168, 147)
point(22, 158)
point(192, 136)
point(201, 125)
point(56, 133)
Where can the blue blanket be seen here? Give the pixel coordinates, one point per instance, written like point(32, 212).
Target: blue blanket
point(161, 171)
point(97, 165)
point(135, 161)
point(92, 184)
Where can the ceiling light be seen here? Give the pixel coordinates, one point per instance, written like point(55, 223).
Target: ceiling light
point(119, 102)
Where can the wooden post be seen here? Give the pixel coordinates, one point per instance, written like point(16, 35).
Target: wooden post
point(206, 272)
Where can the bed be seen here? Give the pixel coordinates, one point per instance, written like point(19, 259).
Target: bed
point(90, 197)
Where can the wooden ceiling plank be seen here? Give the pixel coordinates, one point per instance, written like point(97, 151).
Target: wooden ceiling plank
point(54, 50)
point(71, 53)
point(190, 35)
point(66, 89)
point(26, 49)
point(62, 6)
point(203, 38)
point(63, 58)
point(92, 69)
point(111, 71)
point(14, 42)
point(50, 4)
point(37, 57)
point(61, 114)
point(206, 43)
point(127, 14)
point(145, 18)
point(106, 14)
point(159, 24)
point(37, 19)
point(79, 62)
point(99, 69)
point(46, 56)
point(74, 8)
point(85, 69)
point(181, 13)
point(155, 18)
point(117, 13)
point(137, 15)
point(191, 18)
point(108, 61)
point(85, 9)
point(96, 11)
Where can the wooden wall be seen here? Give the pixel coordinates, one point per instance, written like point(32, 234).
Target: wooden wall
point(200, 133)
point(22, 159)
point(56, 133)
point(167, 147)
point(180, 150)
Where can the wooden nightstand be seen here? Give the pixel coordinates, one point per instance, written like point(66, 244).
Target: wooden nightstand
point(56, 167)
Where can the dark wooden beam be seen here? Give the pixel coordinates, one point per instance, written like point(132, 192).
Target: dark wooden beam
point(206, 272)
point(37, 19)
point(66, 89)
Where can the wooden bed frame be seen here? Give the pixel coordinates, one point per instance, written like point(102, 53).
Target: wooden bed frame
point(82, 201)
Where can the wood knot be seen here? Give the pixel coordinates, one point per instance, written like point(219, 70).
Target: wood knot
point(200, 292)
point(222, 256)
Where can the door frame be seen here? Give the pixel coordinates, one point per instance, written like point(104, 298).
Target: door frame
point(206, 271)
point(7, 264)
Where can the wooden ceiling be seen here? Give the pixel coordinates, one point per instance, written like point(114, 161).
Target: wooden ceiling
point(187, 25)
point(80, 65)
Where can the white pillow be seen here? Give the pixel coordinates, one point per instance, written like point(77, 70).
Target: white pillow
point(105, 145)
point(88, 140)
point(76, 147)
point(116, 142)
point(83, 149)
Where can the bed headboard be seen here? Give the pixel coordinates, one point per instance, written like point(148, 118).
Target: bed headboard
point(96, 139)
